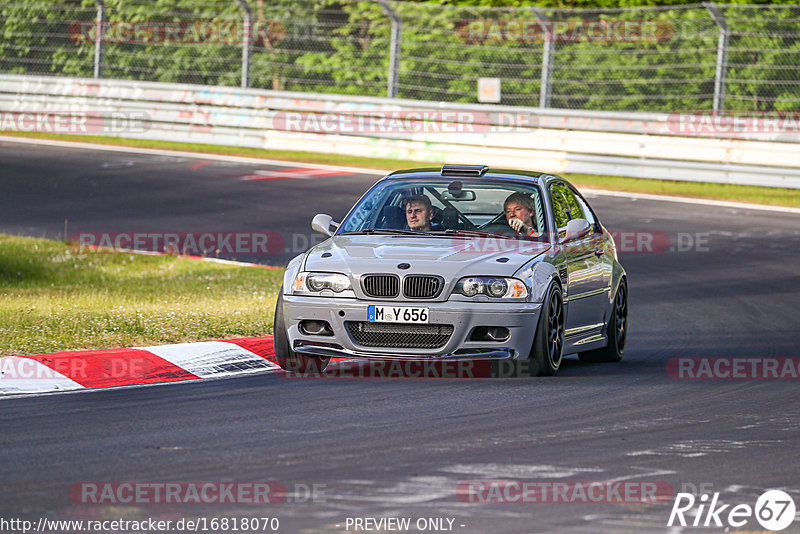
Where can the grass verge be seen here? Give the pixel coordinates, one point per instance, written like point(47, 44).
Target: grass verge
point(56, 297)
point(738, 193)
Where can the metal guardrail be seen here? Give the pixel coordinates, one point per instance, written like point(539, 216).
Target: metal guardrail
point(643, 145)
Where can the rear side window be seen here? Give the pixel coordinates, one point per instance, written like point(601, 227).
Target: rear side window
point(588, 214)
point(566, 205)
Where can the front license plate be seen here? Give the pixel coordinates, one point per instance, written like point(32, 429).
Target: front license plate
point(397, 314)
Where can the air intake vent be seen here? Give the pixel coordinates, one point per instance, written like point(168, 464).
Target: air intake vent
point(400, 336)
point(464, 170)
point(381, 285)
point(419, 286)
point(563, 274)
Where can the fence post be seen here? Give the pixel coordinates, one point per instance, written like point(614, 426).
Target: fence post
point(722, 55)
point(98, 39)
point(247, 31)
point(547, 57)
point(394, 47)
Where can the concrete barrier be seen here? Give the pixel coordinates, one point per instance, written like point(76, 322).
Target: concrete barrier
point(643, 145)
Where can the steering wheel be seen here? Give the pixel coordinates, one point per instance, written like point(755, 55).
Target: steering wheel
point(499, 219)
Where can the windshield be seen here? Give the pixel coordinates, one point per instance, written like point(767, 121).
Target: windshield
point(446, 206)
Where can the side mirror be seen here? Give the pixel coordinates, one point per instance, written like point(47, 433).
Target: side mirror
point(576, 229)
point(322, 223)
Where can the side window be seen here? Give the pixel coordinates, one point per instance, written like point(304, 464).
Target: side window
point(566, 205)
point(588, 214)
point(560, 208)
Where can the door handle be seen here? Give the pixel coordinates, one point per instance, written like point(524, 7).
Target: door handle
point(599, 251)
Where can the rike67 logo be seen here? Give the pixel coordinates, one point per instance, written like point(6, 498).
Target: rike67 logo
point(774, 510)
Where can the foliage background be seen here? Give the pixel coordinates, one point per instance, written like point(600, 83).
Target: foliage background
point(342, 46)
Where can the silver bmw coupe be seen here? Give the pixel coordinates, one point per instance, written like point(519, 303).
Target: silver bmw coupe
point(457, 262)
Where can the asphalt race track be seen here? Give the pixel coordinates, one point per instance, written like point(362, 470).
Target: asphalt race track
point(727, 285)
point(123, 193)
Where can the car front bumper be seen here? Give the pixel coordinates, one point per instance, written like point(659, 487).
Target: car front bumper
point(519, 317)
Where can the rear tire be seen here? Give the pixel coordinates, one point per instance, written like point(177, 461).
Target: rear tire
point(616, 331)
point(284, 355)
point(548, 345)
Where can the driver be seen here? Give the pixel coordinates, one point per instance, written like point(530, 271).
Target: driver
point(418, 213)
point(519, 209)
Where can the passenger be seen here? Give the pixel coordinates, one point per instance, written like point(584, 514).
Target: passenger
point(418, 213)
point(520, 209)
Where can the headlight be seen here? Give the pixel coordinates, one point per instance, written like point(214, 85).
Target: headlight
point(470, 287)
point(316, 282)
point(499, 288)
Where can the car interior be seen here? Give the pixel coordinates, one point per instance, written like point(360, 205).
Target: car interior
point(478, 207)
point(446, 217)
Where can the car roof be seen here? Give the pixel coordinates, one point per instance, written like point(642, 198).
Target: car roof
point(474, 172)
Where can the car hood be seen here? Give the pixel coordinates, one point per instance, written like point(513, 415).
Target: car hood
point(448, 256)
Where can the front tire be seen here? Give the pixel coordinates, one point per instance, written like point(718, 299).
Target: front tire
point(548, 345)
point(284, 355)
point(616, 331)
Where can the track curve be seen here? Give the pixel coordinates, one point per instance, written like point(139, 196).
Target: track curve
point(400, 447)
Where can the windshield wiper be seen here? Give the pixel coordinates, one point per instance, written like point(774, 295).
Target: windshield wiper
point(389, 231)
point(477, 233)
point(480, 233)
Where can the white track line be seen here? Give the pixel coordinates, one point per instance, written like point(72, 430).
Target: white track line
point(197, 155)
point(200, 258)
point(375, 172)
point(684, 200)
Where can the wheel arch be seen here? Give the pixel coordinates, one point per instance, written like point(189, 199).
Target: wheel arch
point(541, 276)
